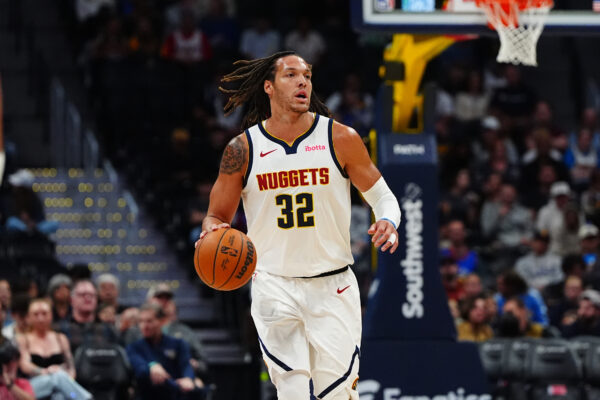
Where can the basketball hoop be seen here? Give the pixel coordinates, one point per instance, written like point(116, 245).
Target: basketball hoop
point(519, 24)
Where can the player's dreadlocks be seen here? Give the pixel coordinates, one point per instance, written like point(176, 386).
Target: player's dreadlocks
point(252, 74)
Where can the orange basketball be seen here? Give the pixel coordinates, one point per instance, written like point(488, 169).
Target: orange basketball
point(225, 259)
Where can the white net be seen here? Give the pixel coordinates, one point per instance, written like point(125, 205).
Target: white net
point(519, 30)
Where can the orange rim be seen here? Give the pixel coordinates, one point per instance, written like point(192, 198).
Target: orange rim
point(508, 11)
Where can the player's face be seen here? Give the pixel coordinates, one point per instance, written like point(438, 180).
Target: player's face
point(292, 86)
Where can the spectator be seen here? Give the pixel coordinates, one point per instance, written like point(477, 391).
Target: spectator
point(108, 291)
point(162, 295)
point(471, 105)
point(187, 45)
point(107, 313)
point(543, 117)
point(24, 210)
point(161, 363)
point(144, 43)
point(539, 267)
point(352, 105)
point(127, 325)
point(507, 225)
point(484, 144)
point(475, 326)
point(537, 196)
point(111, 44)
point(581, 159)
point(564, 311)
point(589, 121)
point(473, 286)
point(450, 279)
point(515, 321)
point(11, 386)
point(46, 356)
point(539, 153)
point(259, 41)
point(589, 241)
point(588, 316)
point(84, 327)
point(516, 101)
point(5, 299)
point(510, 284)
point(221, 28)
point(572, 265)
point(19, 309)
point(551, 217)
point(590, 198)
point(458, 249)
point(306, 42)
point(59, 291)
point(460, 201)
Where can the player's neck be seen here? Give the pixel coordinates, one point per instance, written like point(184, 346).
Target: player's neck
point(288, 124)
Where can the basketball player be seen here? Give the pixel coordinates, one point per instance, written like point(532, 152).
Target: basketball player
point(293, 167)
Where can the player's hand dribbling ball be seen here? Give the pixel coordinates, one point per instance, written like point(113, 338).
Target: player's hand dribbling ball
point(225, 259)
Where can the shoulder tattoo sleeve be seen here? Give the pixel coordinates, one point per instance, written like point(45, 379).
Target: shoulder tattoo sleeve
point(234, 157)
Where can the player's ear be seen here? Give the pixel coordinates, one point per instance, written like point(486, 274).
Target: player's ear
point(268, 86)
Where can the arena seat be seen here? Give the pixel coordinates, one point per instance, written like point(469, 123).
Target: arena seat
point(103, 370)
point(587, 349)
point(554, 371)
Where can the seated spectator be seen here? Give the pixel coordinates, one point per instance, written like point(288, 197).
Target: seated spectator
point(551, 217)
point(590, 199)
point(107, 314)
point(587, 321)
point(162, 295)
point(474, 326)
point(460, 202)
point(59, 291)
point(46, 356)
point(540, 153)
point(144, 43)
point(306, 42)
point(509, 285)
point(187, 45)
point(581, 159)
point(539, 267)
point(5, 299)
point(450, 279)
point(507, 225)
point(24, 209)
point(484, 144)
point(572, 265)
point(543, 117)
point(471, 105)
point(561, 311)
point(260, 40)
point(111, 44)
point(473, 286)
point(589, 242)
point(84, 327)
point(352, 105)
point(161, 363)
point(568, 241)
point(537, 196)
point(19, 309)
point(11, 386)
point(515, 101)
point(108, 291)
point(458, 249)
point(515, 321)
point(127, 325)
point(221, 28)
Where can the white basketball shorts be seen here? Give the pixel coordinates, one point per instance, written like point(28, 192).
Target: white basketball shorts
point(310, 325)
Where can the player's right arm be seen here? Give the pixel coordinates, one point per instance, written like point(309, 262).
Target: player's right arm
point(226, 192)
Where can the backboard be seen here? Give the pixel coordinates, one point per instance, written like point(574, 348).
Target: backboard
point(463, 17)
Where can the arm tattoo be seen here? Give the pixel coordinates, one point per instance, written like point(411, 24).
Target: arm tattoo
point(234, 157)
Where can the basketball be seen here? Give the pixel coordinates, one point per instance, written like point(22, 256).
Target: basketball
point(225, 259)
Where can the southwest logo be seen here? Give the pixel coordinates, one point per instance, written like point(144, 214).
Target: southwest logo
point(267, 153)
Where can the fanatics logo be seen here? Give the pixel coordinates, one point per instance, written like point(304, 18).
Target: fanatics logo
point(315, 148)
point(268, 152)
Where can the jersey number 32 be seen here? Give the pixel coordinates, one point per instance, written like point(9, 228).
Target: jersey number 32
point(303, 204)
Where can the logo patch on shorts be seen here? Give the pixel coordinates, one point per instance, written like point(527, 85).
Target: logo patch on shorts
point(354, 384)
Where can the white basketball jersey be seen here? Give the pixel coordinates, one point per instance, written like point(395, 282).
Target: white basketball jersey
point(297, 202)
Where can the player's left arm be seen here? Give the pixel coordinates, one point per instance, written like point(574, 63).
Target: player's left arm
point(354, 158)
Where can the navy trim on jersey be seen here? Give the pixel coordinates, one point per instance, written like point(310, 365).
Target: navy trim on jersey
point(332, 150)
point(311, 388)
point(272, 357)
point(293, 149)
point(250, 157)
point(342, 379)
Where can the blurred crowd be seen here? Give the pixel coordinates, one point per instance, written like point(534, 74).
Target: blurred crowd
point(519, 209)
point(76, 341)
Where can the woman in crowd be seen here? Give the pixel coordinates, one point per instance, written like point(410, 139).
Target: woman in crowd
point(11, 387)
point(475, 326)
point(46, 356)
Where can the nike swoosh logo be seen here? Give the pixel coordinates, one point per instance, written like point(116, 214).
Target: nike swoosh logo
point(341, 290)
point(268, 152)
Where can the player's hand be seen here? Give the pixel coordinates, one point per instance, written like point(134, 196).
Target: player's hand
point(385, 234)
point(158, 375)
point(185, 384)
point(211, 228)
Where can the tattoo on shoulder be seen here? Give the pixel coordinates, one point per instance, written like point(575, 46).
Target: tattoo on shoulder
point(234, 156)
